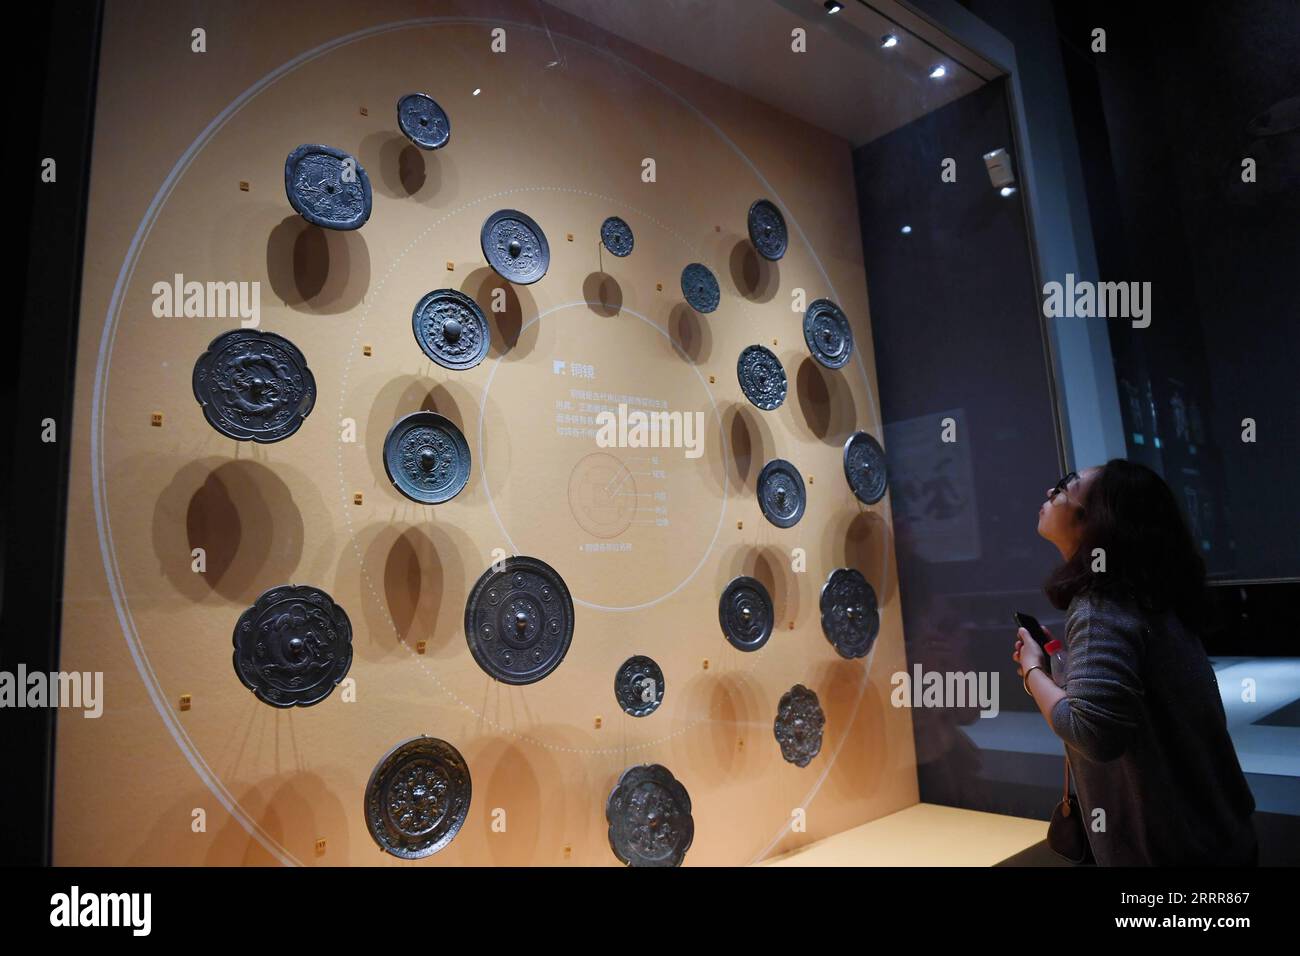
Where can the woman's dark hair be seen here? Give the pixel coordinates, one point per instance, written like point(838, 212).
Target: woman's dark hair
point(1150, 557)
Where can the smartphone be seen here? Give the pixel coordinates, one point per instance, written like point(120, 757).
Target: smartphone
point(1030, 624)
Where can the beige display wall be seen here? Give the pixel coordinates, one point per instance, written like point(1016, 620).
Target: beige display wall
point(559, 128)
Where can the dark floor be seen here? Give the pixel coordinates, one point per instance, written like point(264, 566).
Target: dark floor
point(1279, 844)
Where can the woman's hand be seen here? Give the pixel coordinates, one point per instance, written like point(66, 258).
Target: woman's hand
point(1027, 653)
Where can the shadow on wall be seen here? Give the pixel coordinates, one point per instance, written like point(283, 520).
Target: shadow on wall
point(244, 517)
point(317, 271)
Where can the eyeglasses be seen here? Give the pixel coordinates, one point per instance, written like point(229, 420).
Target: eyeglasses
point(1060, 486)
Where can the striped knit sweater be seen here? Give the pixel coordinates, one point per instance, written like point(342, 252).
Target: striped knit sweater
point(1144, 727)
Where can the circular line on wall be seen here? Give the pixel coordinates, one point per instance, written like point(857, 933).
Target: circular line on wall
point(344, 495)
point(99, 490)
point(716, 415)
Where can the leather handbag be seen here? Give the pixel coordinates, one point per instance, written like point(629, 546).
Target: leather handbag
point(1067, 834)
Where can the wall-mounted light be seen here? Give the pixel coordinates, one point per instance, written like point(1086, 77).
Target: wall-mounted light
point(1001, 174)
point(833, 6)
point(906, 230)
point(938, 72)
point(889, 41)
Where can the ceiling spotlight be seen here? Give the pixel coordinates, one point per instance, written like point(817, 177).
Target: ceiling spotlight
point(906, 230)
point(938, 72)
point(888, 41)
point(1006, 191)
point(833, 6)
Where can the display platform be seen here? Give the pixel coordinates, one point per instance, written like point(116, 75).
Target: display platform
point(922, 835)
